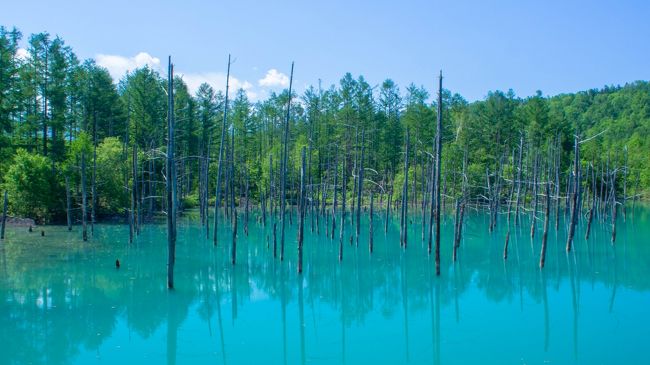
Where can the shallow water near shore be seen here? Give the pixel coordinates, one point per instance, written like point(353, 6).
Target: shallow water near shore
point(62, 301)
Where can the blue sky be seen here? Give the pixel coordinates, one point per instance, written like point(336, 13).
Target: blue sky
point(553, 46)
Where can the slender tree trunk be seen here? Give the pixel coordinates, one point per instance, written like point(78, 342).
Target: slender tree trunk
point(206, 190)
point(614, 207)
point(388, 203)
point(510, 197)
point(275, 239)
point(171, 180)
point(217, 196)
point(370, 228)
point(576, 191)
point(334, 205)
point(360, 183)
point(4, 216)
point(533, 218)
point(67, 203)
point(283, 172)
point(301, 221)
point(93, 211)
point(134, 193)
point(84, 231)
point(558, 162)
point(519, 167)
point(234, 238)
point(342, 225)
point(542, 256)
point(247, 195)
point(624, 186)
point(404, 216)
point(438, 164)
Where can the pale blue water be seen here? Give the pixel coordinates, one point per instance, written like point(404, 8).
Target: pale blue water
point(63, 302)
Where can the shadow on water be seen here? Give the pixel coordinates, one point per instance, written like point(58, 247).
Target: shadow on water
point(63, 301)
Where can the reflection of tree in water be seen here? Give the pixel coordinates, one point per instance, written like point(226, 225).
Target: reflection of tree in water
point(61, 297)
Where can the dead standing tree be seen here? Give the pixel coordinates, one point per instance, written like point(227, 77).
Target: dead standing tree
point(437, 176)
point(170, 171)
point(575, 193)
point(217, 197)
point(284, 170)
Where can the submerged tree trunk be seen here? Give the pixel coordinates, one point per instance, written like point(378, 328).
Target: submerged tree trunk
point(67, 203)
point(4, 216)
point(84, 231)
point(574, 195)
point(437, 180)
point(217, 196)
point(301, 211)
point(334, 205)
point(614, 208)
point(93, 207)
point(370, 228)
point(404, 213)
point(510, 196)
point(519, 167)
point(342, 224)
point(547, 211)
point(171, 180)
point(360, 183)
point(283, 171)
point(234, 237)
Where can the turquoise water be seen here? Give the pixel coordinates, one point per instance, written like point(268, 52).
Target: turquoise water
point(63, 301)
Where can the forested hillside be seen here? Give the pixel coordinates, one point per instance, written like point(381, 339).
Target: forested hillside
point(55, 108)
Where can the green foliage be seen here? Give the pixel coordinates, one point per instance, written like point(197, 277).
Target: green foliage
point(112, 197)
point(54, 107)
point(32, 187)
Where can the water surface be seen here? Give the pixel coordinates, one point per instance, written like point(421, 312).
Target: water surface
point(62, 301)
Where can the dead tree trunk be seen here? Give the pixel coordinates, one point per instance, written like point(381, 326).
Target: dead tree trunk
point(388, 203)
point(4, 216)
point(67, 203)
point(519, 166)
point(334, 205)
point(301, 211)
point(533, 218)
point(283, 171)
point(558, 162)
point(247, 196)
point(217, 197)
point(404, 216)
point(510, 196)
point(593, 201)
point(547, 210)
point(93, 208)
point(461, 214)
point(360, 184)
point(624, 186)
point(342, 225)
point(171, 180)
point(574, 195)
point(370, 228)
point(134, 194)
point(614, 208)
point(233, 257)
point(437, 180)
point(84, 228)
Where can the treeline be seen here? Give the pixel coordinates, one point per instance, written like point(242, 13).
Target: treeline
point(57, 112)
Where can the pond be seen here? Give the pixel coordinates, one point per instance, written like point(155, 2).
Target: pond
point(63, 301)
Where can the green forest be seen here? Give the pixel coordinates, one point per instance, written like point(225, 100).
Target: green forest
point(67, 126)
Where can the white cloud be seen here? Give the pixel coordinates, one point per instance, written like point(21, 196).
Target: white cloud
point(118, 66)
point(22, 54)
point(218, 81)
point(274, 78)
